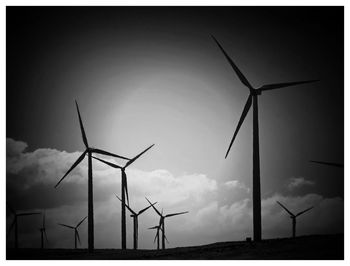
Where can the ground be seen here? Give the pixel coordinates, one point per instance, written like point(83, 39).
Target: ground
point(304, 247)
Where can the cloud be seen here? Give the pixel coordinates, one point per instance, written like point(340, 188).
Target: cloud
point(31, 177)
point(296, 182)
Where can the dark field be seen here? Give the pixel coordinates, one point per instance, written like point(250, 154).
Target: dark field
point(305, 247)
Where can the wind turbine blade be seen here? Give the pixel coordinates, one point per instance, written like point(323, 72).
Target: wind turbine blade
point(99, 151)
point(166, 239)
point(81, 222)
point(240, 122)
point(145, 209)
point(329, 163)
point(127, 206)
point(240, 75)
point(283, 85)
point(28, 213)
point(47, 240)
point(125, 186)
point(154, 227)
point(137, 156)
point(78, 237)
point(12, 225)
point(285, 208)
point(71, 227)
point(81, 157)
point(10, 208)
point(300, 213)
point(108, 163)
point(155, 238)
point(174, 214)
point(154, 208)
point(82, 127)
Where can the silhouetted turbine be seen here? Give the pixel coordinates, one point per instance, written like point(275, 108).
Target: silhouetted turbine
point(76, 233)
point(15, 221)
point(329, 163)
point(161, 221)
point(158, 227)
point(43, 232)
point(135, 216)
point(253, 99)
point(124, 188)
point(89, 151)
point(293, 217)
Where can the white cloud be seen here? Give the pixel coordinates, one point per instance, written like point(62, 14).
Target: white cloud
point(295, 182)
point(232, 184)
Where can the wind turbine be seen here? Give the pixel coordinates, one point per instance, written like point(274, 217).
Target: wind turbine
point(158, 227)
point(124, 188)
point(43, 232)
point(161, 221)
point(253, 99)
point(135, 216)
point(340, 165)
point(88, 151)
point(293, 216)
point(15, 221)
point(76, 233)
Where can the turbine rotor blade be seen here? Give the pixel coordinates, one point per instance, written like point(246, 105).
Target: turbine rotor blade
point(12, 225)
point(71, 227)
point(10, 208)
point(47, 240)
point(166, 239)
point(154, 208)
point(329, 163)
point(81, 222)
point(174, 214)
point(300, 213)
point(76, 231)
point(285, 208)
point(108, 163)
point(145, 209)
point(127, 206)
point(81, 157)
point(28, 213)
point(99, 151)
point(82, 127)
point(283, 85)
point(240, 75)
point(125, 185)
point(154, 227)
point(137, 156)
point(240, 122)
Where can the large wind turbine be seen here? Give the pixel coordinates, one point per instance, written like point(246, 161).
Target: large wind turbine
point(15, 221)
point(161, 221)
point(135, 217)
point(158, 227)
point(88, 151)
point(76, 233)
point(124, 188)
point(340, 165)
point(253, 99)
point(293, 216)
point(43, 233)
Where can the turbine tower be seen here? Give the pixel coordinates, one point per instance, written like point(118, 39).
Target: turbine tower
point(135, 216)
point(43, 233)
point(76, 233)
point(293, 217)
point(253, 100)
point(15, 221)
point(88, 151)
point(161, 221)
point(124, 188)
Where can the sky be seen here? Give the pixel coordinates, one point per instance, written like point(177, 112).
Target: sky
point(145, 75)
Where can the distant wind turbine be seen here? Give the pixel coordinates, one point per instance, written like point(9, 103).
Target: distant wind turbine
point(15, 221)
point(135, 216)
point(340, 165)
point(124, 188)
point(161, 221)
point(88, 151)
point(43, 232)
point(76, 233)
point(253, 99)
point(158, 227)
point(293, 216)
